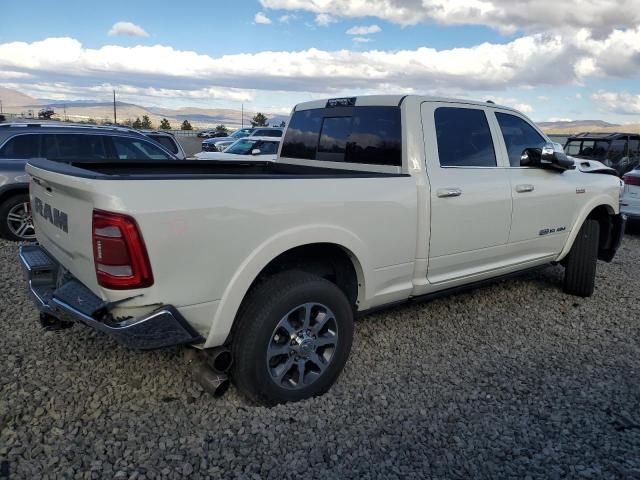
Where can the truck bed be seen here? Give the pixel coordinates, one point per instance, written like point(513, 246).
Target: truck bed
point(194, 169)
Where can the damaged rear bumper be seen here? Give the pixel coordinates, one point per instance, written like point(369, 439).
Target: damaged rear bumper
point(70, 301)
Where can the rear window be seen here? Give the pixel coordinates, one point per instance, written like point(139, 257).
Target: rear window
point(166, 142)
point(365, 135)
point(268, 133)
point(464, 138)
point(21, 146)
point(136, 149)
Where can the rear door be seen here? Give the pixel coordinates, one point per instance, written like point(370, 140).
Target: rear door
point(470, 194)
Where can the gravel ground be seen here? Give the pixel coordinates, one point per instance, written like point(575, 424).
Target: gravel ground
point(514, 380)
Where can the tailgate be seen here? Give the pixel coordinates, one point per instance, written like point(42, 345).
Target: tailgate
point(62, 213)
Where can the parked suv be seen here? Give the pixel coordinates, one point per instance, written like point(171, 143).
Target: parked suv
point(620, 151)
point(64, 143)
point(219, 144)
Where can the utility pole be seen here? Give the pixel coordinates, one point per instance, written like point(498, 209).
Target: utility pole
point(242, 115)
point(64, 108)
point(0, 107)
point(115, 119)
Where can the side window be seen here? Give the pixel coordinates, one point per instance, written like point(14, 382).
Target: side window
point(464, 138)
point(364, 135)
point(21, 147)
point(518, 135)
point(166, 142)
point(268, 148)
point(572, 147)
point(273, 133)
point(634, 146)
point(137, 149)
point(617, 150)
point(71, 146)
point(301, 139)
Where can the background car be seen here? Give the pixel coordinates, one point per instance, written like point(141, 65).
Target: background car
point(249, 148)
point(620, 151)
point(630, 201)
point(219, 144)
point(64, 143)
point(168, 141)
point(211, 134)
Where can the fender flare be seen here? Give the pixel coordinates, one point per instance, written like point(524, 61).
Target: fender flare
point(600, 200)
point(248, 271)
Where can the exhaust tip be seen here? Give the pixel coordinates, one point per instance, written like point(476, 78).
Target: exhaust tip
point(214, 383)
point(221, 360)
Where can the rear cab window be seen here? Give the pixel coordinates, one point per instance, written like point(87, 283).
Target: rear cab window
point(363, 135)
point(464, 138)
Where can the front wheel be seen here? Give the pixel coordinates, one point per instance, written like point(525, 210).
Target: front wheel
point(292, 338)
point(580, 266)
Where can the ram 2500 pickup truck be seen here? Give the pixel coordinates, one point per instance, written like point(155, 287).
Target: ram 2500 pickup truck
point(372, 201)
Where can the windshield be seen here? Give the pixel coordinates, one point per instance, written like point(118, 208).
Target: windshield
point(241, 147)
point(596, 149)
point(240, 133)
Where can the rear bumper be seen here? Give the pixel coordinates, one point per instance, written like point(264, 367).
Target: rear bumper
point(65, 298)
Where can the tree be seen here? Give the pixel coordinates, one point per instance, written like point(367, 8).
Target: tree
point(3, 118)
point(164, 124)
point(137, 123)
point(186, 125)
point(283, 124)
point(222, 129)
point(46, 113)
point(146, 123)
point(259, 120)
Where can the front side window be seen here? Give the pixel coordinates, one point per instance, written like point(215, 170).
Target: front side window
point(21, 147)
point(137, 149)
point(242, 147)
point(363, 135)
point(268, 148)
point(518, 135)
point(75, 146)
point(464, 138)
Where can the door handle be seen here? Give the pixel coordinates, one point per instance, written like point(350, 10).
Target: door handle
point(524, 188)
point(449, 192)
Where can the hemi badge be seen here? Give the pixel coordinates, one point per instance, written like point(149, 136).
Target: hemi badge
point(581, 190)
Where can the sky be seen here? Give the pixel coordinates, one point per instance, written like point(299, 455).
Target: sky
point(553, 60)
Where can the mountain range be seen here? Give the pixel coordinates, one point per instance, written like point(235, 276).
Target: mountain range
point(15, 102)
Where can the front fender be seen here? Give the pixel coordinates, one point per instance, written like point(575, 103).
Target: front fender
point(274, 246)
point(601, 200)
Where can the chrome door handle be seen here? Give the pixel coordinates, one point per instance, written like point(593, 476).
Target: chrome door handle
point(449, 192)
point(525, 187)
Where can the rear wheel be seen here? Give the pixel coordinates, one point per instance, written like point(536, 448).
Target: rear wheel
point(580, 267)
point(292, 338)
point(16, 222)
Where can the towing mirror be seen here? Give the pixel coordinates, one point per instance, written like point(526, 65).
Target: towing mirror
point(550, 156)
point(255, 151)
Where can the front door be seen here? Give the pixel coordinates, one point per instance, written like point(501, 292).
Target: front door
point(470, 201)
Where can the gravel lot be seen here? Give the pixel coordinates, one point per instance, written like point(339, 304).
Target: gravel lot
point(515, 380)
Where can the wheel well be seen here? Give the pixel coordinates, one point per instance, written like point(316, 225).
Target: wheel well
point(327, 260)
point(10, 192)
point(604, 215)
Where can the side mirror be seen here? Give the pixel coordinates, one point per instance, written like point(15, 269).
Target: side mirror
point(550, 156)
point(255, 151)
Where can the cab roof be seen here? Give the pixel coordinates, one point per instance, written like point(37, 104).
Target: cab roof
point(386, 100)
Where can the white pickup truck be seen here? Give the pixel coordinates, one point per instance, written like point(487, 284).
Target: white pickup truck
point(372, 201)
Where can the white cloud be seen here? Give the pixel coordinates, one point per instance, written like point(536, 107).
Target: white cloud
point(363, 30)
point(261, 19)
point(361, 39)
point(503, 15)
point(324, 20)
point(618, 102)
point(286, 18)
point(127, 29)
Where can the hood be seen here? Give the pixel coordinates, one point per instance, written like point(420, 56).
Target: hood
point(593, 166)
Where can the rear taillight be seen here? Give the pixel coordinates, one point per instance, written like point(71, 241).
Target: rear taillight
point(119, 254)
point(632, 180)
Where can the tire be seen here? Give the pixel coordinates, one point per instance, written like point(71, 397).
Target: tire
point(11, 227)
point(580, 268)
point(271, 319)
